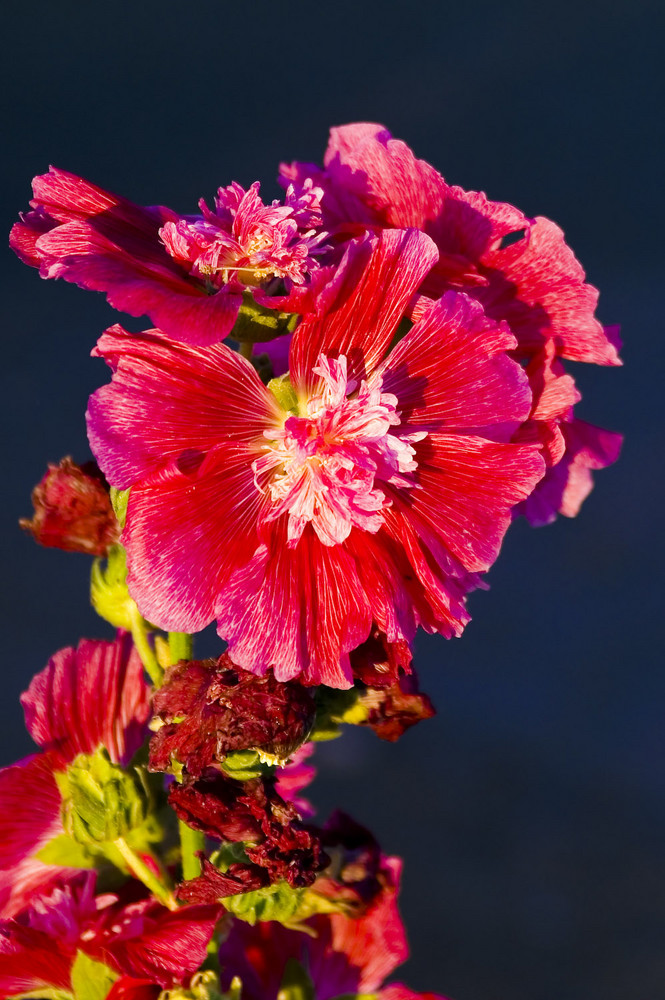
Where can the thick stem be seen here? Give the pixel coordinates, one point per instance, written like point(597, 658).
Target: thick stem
point(191, 841)
point(245, 349)
point(145, 874)
point(143, 647)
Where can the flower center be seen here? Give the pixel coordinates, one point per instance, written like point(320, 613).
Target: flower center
point(324, 467)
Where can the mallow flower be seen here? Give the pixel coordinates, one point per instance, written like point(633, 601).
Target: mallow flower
point(368, 490)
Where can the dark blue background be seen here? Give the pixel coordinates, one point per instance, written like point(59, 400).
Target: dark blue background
point(530, 811)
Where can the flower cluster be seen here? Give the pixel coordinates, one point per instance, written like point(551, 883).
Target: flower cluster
point(321, 497)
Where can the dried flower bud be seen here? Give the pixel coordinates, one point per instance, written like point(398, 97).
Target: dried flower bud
point(73, 510)
point(213, 708)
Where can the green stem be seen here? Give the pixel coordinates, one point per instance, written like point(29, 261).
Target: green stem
point(181, 646)
point(245, 349)
point(139, 868)
point(191, 841)
point(144, 649)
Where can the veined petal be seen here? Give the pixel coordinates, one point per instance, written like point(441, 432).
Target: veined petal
point(187, 533)
point(360, 311)
point(298, 610)
point(170, 402)
point(451, 372)
point(29, 819)
point(468, 487)
point(88, 697)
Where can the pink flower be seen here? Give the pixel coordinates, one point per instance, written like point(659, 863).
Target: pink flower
point(140, 939)
point(187, 273)
point(374, 494)
point(535, 283)
point(519, 269)
point(84, 698)
point(243, 242)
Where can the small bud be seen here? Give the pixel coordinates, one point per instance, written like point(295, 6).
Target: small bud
point(101, 801)
point(73, 510)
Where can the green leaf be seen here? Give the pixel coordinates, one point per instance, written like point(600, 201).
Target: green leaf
point(91, 980)
point(296, 983)
point(276, 902)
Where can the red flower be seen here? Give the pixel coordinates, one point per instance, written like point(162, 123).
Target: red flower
point(372, 495)
point(84, 698)
point(187, 273)
point(142, 940)
point(521, 271)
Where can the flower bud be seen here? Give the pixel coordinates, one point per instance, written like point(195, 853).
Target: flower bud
point(101, 801)
point(109, 592)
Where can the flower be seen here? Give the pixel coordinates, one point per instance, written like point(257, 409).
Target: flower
point(73, 510)
point(520, 269)
point(85, 698)
point(139, 938)
point(369, 491)
point(187, 273)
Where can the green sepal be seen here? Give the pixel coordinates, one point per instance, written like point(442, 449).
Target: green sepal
point(119, 500)
point(243, 765)
point(284, 392)
point(101, 800)
point(257, 324)
point(109, 593)
point(275, 902)
point(66, 852)
point(296, 982)
point(91, 980)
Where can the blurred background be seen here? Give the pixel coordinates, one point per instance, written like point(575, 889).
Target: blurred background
point(530, 811)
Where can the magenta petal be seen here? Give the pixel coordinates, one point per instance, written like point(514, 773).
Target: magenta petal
point(468, 487)
point(169, 947)
point(451, 372)
point(567, 484)
point(30, 817)
point(300, 611)
point(168, 399)
point(359, 312)
point(88, 697)
point(178, 565)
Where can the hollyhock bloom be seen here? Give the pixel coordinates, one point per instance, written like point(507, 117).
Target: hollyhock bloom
point(187, 273)
point(73, 510)
point(85, 698)
point(369, 492)
point(341, 955)
point(534, 283)
point(38, 947)
point(519, 269)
